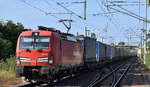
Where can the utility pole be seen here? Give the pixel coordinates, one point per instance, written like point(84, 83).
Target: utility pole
point(85, 6)
point(102, 39)
point(141, 42)
point(145, 34)
point(86, 33)
point(145, 46)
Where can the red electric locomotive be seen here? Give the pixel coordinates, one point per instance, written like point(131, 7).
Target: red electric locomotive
point(47, 53)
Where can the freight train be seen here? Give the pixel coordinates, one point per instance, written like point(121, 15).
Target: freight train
point(47, 54)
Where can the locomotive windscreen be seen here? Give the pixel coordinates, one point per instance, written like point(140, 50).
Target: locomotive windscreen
point(34, 42)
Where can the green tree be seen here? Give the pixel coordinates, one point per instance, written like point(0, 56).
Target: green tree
point(9, 33)
point(148, 45)
point(5, 48)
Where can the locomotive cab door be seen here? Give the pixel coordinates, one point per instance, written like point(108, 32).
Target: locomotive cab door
point(57, 50)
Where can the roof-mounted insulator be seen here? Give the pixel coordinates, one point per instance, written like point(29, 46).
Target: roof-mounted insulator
point(67, 34)
point(45, 28)
point(27, 29)
point(48, 29)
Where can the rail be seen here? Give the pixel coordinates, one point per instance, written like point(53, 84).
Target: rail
point(115, 83)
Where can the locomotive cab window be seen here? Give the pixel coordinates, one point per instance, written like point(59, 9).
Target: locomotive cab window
point(26, 42)
point(32, 42)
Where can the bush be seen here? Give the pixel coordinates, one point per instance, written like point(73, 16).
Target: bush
point(7, 68)
point(5, 48)
point(7, 73)
point(8, 64)
point(9, 33)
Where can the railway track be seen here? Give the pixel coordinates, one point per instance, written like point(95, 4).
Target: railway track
point(123, 69)
point(36, 84)
point(46, 83)
point(88, 79)
point(95, 78)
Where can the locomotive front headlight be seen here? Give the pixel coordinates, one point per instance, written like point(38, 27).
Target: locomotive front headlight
point(18, 60)
point(50, 59)
point(44, 59)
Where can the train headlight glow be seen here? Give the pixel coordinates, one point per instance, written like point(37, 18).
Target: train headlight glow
point(44, 59)
point(50, 59)
point(18, 60)
point(22, 59)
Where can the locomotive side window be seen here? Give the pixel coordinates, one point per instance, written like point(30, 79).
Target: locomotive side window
point(38, 42)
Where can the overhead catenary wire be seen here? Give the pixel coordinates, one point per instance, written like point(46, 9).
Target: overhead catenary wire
point(132, 12)
point(139, 11)
point(69, 10)
point(63, 21)
point(73, 2)
point(130, 4)
point(106, 15)
point(48, 3)
point(110, 18)
point(39, 9)
point(68, 27)
point(129, 14)
point(126, 2)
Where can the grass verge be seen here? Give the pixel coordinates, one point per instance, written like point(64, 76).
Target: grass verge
point(148, 60)
point(7, 72)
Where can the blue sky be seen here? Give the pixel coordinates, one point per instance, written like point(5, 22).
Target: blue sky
point(115, 28)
